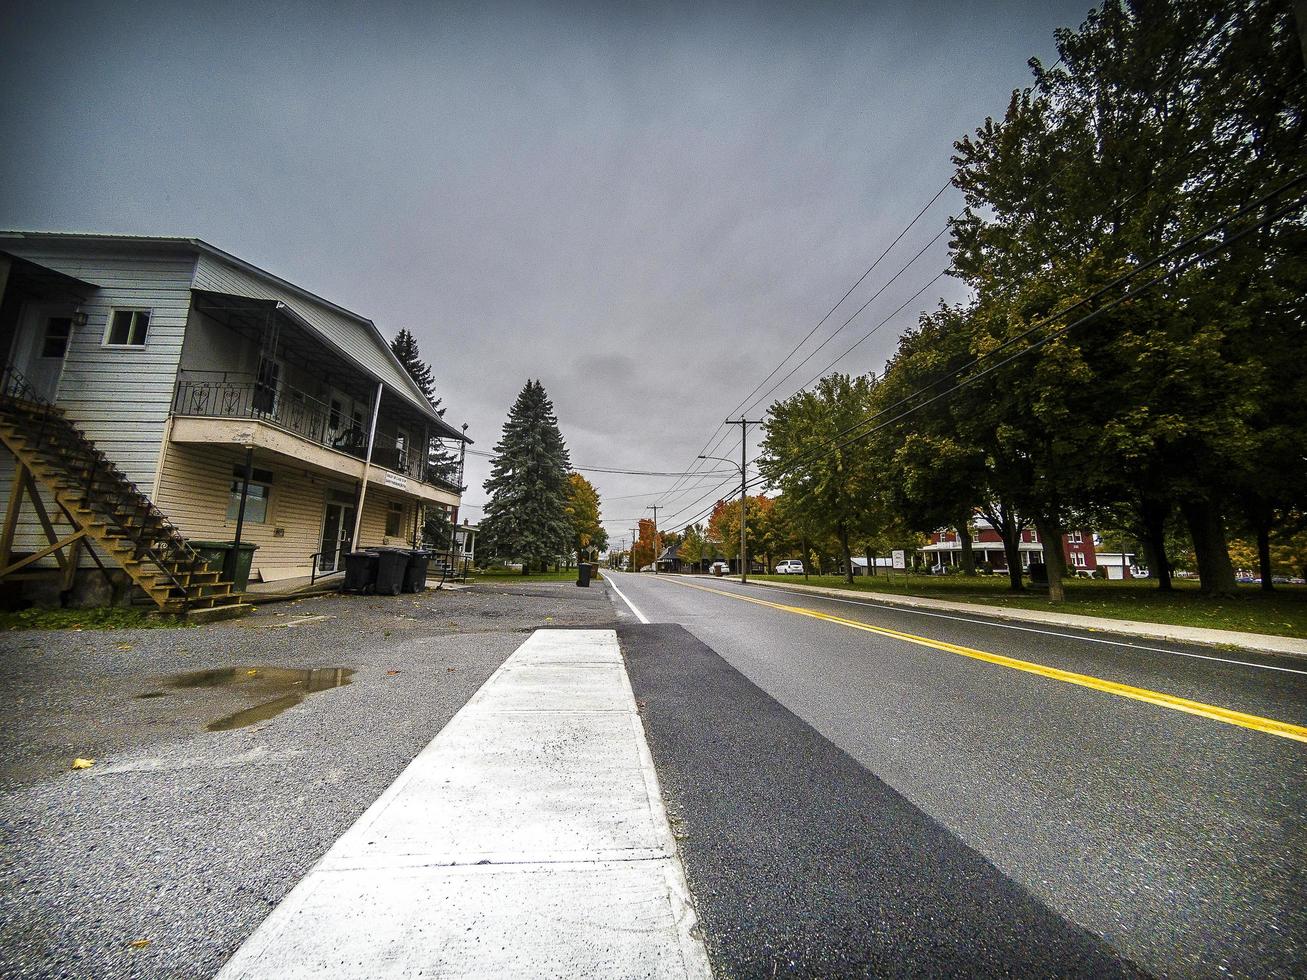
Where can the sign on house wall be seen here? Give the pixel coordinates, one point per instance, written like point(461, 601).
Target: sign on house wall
point(395, 480)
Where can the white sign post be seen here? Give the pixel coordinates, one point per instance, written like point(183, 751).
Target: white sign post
point(901, 560)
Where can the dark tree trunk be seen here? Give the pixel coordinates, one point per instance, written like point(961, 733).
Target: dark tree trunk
point(1261, 516)
point(1153, 514)
point(526, 566)
point(968, 556)
point(807, 559)
point(1003, 519)
point(1050, 535)
point(1215, 573)
point(871, 563)
point(848, 555)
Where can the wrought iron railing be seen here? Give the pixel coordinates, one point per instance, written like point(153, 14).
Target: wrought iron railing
point(305, 416)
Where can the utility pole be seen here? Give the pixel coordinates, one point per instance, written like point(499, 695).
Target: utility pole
point(654, 508)
point(630, 559)
point(744, 424)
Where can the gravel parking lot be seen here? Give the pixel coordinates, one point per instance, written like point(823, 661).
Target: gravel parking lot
point(164, 856)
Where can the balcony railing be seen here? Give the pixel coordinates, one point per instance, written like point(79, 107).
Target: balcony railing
point(305, 416)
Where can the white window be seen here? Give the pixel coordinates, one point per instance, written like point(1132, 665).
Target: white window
point(127, 328)
point(1034, 536)
point(256, 501)
point(1078, 559)
point(1077, 537)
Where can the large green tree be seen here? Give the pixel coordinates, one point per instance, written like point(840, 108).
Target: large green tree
point(526, 518)
point(839, 487)
point(1159, 120)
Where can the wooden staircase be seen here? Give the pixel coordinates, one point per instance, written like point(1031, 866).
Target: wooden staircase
point(105, 508)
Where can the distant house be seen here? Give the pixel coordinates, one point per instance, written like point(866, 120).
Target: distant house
point(465, 541)
point(945, 549)
point(881, 564)
point(153, 384)
point(1120, 565)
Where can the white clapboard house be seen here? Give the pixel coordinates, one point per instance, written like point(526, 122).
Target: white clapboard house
point(152, 383)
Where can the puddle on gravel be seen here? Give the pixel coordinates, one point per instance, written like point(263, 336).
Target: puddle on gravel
point(291, 686)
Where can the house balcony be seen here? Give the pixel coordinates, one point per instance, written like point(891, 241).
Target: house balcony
point(228, 409)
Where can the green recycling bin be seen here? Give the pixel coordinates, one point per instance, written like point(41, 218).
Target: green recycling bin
point(231, 559)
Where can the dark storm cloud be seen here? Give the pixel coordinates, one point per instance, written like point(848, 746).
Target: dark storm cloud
point(643, 205)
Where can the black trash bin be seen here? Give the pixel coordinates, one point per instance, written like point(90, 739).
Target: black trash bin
point(391, 564)
point(415, 572)
point(360, 571)
point(583, 574)
point(1038, 573)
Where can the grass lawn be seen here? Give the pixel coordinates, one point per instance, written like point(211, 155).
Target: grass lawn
point(566, 575)
point(1282, 612)
point(102, 618)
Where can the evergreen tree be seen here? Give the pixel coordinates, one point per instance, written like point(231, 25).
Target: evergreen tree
point(441, 460)
point(405, 347)
point(526, 518)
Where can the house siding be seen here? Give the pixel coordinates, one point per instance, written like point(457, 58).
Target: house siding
point(121, 397)
point(193, 491)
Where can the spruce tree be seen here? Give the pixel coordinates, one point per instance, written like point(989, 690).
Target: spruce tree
point(441, 461)
point(526, 518)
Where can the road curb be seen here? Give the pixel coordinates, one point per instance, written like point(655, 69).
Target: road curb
point(1287, 646)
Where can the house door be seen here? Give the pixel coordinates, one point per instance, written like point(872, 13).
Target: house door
point(267, 387)
point(40, 346)
point(337, 532)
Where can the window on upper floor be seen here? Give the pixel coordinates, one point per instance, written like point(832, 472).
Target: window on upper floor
point(127, 328)
point(57, 331)
point(1077, 537)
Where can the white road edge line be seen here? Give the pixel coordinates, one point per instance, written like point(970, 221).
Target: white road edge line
point(1012, 626)
point(638, 615)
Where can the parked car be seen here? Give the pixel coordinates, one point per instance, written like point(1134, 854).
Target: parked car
point(720, 568)
point(792, 566)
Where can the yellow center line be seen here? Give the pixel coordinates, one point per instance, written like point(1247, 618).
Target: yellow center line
point(1255, 722)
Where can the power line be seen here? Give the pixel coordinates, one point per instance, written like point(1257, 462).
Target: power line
point(1112, 304)
point(871, 268)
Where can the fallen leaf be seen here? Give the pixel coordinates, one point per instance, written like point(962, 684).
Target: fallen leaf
point(449, 670)
point(141, 943)
point(83, 763)
point(251, 672)
point(124, 647)
point(391, 673)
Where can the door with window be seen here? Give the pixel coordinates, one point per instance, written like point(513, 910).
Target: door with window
point(41, 345)
point(267, 387)
point(337, 531)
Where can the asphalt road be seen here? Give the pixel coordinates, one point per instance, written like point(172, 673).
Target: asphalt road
point(1163, 835)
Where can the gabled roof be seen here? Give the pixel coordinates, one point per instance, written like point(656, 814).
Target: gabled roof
point(320, 315)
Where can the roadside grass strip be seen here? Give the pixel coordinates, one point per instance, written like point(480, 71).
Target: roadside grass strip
point(1213, 712)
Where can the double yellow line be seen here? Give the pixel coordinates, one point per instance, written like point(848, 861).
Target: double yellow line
point(1215, 713)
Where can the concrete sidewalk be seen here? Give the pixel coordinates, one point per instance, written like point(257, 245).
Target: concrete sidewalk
point(528, 839)
point(1258, 642)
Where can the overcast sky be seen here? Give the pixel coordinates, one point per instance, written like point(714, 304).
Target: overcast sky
point(643, 205)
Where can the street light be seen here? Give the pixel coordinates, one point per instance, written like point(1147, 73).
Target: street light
point(744, 557)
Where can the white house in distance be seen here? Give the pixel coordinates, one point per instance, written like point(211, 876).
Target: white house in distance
point(179, 362)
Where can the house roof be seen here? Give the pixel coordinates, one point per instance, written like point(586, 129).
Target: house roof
point(320, 315)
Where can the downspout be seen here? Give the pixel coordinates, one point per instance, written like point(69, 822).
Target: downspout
point(367, 469)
